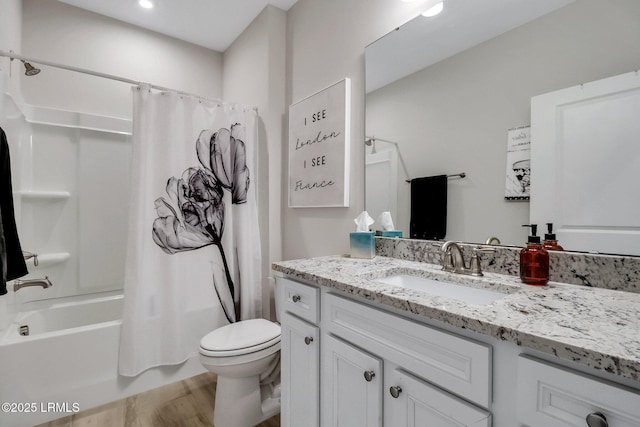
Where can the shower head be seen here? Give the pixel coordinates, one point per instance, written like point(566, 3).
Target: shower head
point(30, 70)
point(371, 142)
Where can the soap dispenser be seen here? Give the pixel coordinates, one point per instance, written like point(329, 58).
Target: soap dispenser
point(550, 243)
point(534, 260)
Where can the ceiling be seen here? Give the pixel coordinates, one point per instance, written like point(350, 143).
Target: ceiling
point(463, 24)
point(214, 24)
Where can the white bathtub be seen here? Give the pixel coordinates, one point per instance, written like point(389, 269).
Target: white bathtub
point(68, 362)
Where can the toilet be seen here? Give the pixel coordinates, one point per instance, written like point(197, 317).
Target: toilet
point(246, 358)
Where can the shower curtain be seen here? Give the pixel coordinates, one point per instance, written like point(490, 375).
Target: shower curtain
point(193, 252)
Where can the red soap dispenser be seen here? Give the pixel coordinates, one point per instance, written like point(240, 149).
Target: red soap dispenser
point(550, 243)
point(534, 260)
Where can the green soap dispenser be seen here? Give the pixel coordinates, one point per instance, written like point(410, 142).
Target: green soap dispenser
point(534, 260)
point(550, 242)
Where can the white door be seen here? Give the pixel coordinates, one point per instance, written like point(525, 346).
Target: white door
point(411, 402)
point(300, 379)
point(352, 385)
point(585, 159)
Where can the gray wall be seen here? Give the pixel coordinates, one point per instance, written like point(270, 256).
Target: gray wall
point(325, 43)
point(64, 34)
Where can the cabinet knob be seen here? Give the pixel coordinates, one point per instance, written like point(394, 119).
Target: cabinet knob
point(295, 298)
point(308, 340)
point(368, 375)
point(597, 419)
point(395, 391)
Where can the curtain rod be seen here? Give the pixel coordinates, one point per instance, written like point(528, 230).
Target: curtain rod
point(12, 56)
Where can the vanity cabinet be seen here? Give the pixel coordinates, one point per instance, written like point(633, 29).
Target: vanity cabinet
point(554, 396)
point(300, 353)
point(381, 369)
point(350, 363)
point(374, 368)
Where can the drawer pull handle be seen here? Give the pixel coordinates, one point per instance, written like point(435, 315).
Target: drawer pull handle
point(597, 419)
point(308, 340)
point(395, 391)
point(368, 375)
point(295, 298)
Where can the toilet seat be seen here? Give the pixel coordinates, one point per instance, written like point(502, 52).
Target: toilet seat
point(244, 337)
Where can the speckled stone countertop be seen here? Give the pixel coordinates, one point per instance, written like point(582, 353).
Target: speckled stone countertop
point(598, 328)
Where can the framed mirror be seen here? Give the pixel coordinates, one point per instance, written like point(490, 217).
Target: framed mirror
point(444, 92)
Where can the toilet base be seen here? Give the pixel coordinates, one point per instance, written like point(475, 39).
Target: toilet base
point(242, 402)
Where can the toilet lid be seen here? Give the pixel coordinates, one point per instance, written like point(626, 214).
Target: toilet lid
point(245, 334)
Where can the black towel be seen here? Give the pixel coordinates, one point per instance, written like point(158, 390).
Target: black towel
point(429, 208)
point(12, 261)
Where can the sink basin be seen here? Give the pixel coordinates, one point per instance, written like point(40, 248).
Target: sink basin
point(462, 293)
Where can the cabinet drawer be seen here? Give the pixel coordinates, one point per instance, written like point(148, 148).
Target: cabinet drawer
point(456, 364)
point(554, 396)
point(300, 299)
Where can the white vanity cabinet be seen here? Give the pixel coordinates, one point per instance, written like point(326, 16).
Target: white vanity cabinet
point(374, 368)
point(381, 369)
point(348, 361)
point(300, 353)
point(554, 396)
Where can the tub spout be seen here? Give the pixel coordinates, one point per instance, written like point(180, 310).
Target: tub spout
point(19, 284)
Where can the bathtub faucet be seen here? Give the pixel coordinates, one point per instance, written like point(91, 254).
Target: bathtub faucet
point(19, 284)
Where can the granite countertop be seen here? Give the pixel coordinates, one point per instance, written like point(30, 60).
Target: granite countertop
point(598, 328)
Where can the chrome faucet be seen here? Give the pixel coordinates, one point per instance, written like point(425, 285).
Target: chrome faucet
point(454, 259)
point(19, 284)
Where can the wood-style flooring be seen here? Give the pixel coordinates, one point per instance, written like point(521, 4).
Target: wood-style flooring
point(184, 403)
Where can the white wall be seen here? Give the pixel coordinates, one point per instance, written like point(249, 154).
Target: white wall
point(254, 74)
point(325, 43)
point(10, 34)
point(453, 116)
point(64, 34)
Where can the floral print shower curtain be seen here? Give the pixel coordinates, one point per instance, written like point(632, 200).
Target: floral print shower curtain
point(193, 255)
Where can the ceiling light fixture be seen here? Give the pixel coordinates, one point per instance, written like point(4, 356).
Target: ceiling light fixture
point(147, 4)
point(434, 10)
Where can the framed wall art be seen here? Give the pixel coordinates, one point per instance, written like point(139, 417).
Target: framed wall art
point(518, 183)
point(319, 144)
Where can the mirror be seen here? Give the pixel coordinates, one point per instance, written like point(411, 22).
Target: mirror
point(443, 93)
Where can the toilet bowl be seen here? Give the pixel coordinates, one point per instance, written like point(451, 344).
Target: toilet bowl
point(246, 358)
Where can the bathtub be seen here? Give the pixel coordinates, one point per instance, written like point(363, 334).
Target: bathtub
point(68, 361)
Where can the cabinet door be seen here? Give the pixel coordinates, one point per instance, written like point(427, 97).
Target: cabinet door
point(300, 354)
point(411, 402)
point(352, 385)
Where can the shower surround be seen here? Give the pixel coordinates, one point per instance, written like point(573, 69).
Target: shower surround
point(70, 179)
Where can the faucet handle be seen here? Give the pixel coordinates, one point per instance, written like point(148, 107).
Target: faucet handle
point(29, 255)
point(474, 263)
point(484, 248)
